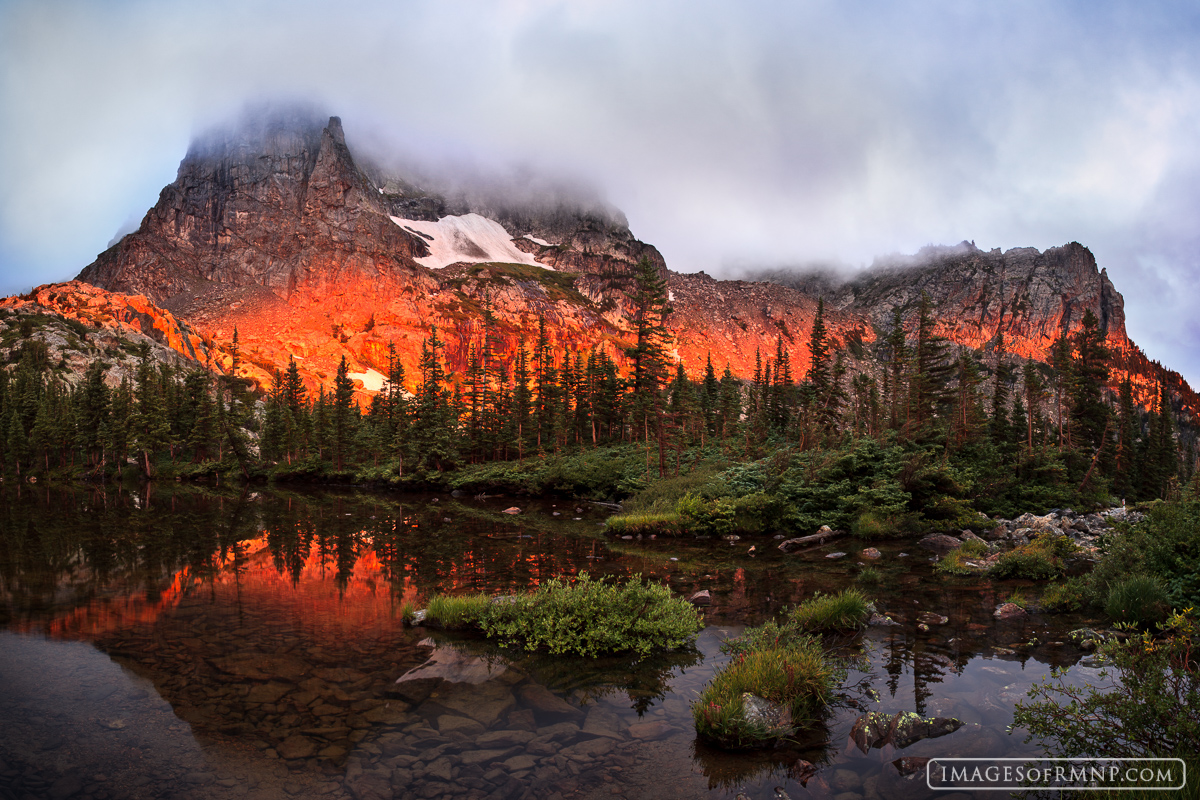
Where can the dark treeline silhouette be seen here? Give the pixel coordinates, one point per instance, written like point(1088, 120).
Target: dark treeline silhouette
point(1010, 422)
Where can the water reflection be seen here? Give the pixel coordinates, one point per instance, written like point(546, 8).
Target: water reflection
point(269, 622)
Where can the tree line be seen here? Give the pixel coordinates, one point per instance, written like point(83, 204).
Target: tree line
point(1039, 423)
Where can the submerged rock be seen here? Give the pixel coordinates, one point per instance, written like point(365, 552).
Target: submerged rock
point(871, 553)
point(871, 730)
point(910, 766)
point(512, 510)
point(930, 618)
point(940, 543)
point(911, 728)
point(1008, 611)
point(877, 729)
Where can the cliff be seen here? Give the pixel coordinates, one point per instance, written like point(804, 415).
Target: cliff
point(274, 228)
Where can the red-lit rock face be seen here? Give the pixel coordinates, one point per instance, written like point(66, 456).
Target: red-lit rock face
point(276, 232)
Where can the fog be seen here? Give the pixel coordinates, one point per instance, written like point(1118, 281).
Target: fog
point(732, 136)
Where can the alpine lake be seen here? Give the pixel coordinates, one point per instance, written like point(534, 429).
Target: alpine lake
point(181, 642)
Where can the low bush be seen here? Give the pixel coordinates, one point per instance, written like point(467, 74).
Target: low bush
point(1146, 703)
point(706, 517)
point(665, 524)
point(1139, 600)
point(952, 562)
point(798, 678)
point(1041, 559)
point(593, 617)
point(845, 610)
point(876, 525)
point(869, 575)
point(1070, 595)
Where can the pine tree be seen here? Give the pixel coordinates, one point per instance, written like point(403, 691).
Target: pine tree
point(150, 428)
point(522, 398)
point(897, 367)
point(931, 372)
point(731, 403)
point(1126, 442)
point(710, 398)
point(648, 355)
point(344, 415)
point(91, 413)
point(999, 427)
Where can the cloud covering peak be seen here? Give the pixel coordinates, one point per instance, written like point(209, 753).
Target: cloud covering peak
point(731, 135)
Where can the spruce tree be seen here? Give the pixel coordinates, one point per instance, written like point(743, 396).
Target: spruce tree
point(648, 354)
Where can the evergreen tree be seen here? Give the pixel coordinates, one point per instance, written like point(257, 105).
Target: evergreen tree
point(1123, 474)
point(648, 355)
point(91, 413)
point(344, 415)
point(710, 397)
point(522, 398)
point(897, 368)
point(1089, 413)
point(931, 375)
point(999, 427)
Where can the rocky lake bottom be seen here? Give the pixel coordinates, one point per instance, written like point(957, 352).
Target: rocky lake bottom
point(191, 644)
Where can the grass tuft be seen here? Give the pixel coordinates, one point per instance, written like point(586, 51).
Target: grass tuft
point(456, 613)
point(846, 610)
point(798, 678)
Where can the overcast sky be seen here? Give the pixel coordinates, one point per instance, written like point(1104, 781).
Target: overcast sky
point(732, 134)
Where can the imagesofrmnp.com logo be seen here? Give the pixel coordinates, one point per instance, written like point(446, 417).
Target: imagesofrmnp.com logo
point(1062, 774)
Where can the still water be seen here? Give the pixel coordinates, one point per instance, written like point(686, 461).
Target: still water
point(178, 642)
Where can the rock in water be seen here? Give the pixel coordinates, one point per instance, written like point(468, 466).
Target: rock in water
point(512, 510)
point(701, 598)
point(771, 720)
point(910, 728)
point(940, 543)
point(1008, 611)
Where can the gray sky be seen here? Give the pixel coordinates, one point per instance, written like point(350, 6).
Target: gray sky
point(731, 134)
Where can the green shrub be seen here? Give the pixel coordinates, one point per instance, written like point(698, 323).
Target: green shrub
point(408, 612)
point(952, 562)
point(661, 496)
point(706, 517)
point(668, 524)
point(456, 613)
point(1041, 559)
point(1070, 595)
point(1147, 703)
point(869, 575)
point(845, 610)
point(799, 677)
point(593, 617)
point(874, 525)
point(1139, 600)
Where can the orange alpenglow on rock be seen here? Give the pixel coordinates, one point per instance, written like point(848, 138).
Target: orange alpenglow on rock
point(275, 229)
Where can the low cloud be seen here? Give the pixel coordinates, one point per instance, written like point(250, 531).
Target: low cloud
point(758, 133)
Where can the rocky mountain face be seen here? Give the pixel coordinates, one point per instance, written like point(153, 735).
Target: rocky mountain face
point(78, 323)
point(274, 229)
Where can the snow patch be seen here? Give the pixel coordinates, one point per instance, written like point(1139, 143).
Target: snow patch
point(536, 240)
point(372, 380)
point(470, 238)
